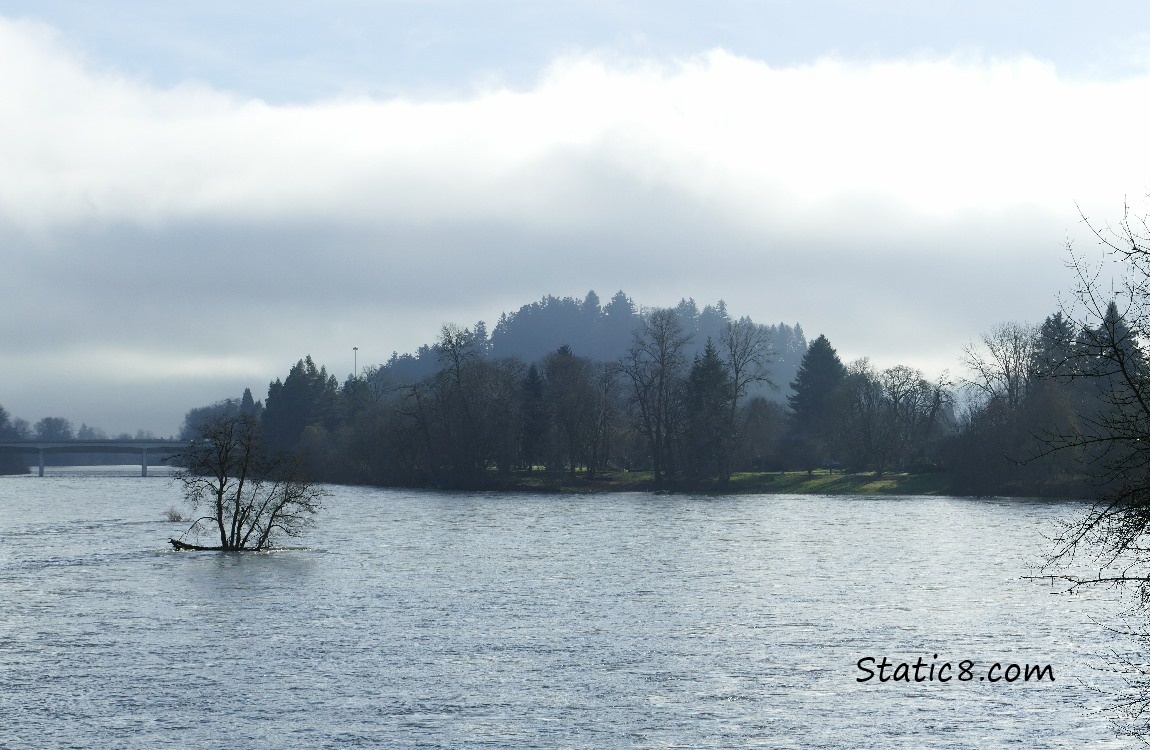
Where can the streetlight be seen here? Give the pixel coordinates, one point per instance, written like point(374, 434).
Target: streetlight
point(355, 361)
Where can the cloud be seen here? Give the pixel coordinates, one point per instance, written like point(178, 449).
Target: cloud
point(189, 234)
point(935, 136)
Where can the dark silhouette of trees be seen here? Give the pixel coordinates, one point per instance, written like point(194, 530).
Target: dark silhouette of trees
point(249, 406)
point(616, 328)
point(12, 429)
point(1003, 367)
point(1054, 350)
point(477, 416)
point(466, 417)
point(863, 424)
point(197, 418)
point(54, 428)
point(90, 433)
point(606, 415)
point(304, 400)
point(916, 412)
point(708, 434)
point(762, 425)
point(813, 430)
point(654, 368)
point(570, 396)
point(747, 350)
point(689, 412)
point(1111, 441)
point(1020, 390)
point(594, 331)
point(1103, 375)
point(247, 497)
point(536, 419)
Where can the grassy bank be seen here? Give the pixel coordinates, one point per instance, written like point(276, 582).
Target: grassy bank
point(821, 482)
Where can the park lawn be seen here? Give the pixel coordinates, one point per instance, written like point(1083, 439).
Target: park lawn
point(820, 482)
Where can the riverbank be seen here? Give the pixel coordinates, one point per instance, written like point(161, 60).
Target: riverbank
point(820, 482)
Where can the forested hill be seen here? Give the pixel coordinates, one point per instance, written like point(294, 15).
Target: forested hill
point(600, 332)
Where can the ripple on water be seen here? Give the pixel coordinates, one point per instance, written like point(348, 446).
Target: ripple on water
point(409, 619)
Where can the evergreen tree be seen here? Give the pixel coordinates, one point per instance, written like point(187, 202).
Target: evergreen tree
point(570, 395)
point(591, 308)
point(707, 434)
point(1054, 348)
point(306, 398)
point(536, 420)
point(248, 405)
point(812, 429)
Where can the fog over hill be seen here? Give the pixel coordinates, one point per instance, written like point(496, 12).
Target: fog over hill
point(590, 328)
point(601, 332)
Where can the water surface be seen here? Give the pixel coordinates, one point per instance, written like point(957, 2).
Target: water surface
point(440, 620)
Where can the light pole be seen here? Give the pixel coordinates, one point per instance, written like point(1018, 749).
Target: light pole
point(355, 361)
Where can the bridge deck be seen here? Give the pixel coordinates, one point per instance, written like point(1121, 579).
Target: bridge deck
point(141, 447)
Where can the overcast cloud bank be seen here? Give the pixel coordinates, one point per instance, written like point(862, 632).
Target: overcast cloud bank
point(174, 245)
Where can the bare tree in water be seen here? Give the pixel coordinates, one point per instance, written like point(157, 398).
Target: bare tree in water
point(245, 497)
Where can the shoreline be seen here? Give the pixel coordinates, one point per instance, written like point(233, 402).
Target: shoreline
point(820, 482)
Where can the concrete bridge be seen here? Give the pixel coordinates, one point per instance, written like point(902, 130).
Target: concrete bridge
point(162, 448)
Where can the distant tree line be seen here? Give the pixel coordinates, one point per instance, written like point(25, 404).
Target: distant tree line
point(1041, 395)
point(691, 396)
point(684, 393)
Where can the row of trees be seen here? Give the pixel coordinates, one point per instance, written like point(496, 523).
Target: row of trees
point(657, 407)
point(696, 417)
point(689, 413)
point(54, 429)
point(1044, 403)
point(861, 419)
point(600, 332)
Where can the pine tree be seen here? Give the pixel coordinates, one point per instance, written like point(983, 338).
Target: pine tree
point(536, 420)
point(812, 429)
point(305, 398)
point(708, 430)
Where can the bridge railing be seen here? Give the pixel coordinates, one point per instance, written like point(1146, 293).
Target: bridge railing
point(141, 447)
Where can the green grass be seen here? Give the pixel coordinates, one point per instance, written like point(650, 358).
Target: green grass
point(838, 483)
point(820, 482)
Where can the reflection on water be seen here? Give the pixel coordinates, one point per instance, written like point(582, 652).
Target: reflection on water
point(410, 619)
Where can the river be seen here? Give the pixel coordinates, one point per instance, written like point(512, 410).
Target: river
point(410, 619)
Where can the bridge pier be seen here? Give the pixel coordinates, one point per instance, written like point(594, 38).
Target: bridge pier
point(142, 447)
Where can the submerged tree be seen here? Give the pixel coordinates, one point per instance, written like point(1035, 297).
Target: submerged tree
point(245, 496)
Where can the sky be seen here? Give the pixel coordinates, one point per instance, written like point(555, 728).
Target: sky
point(193, 196)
